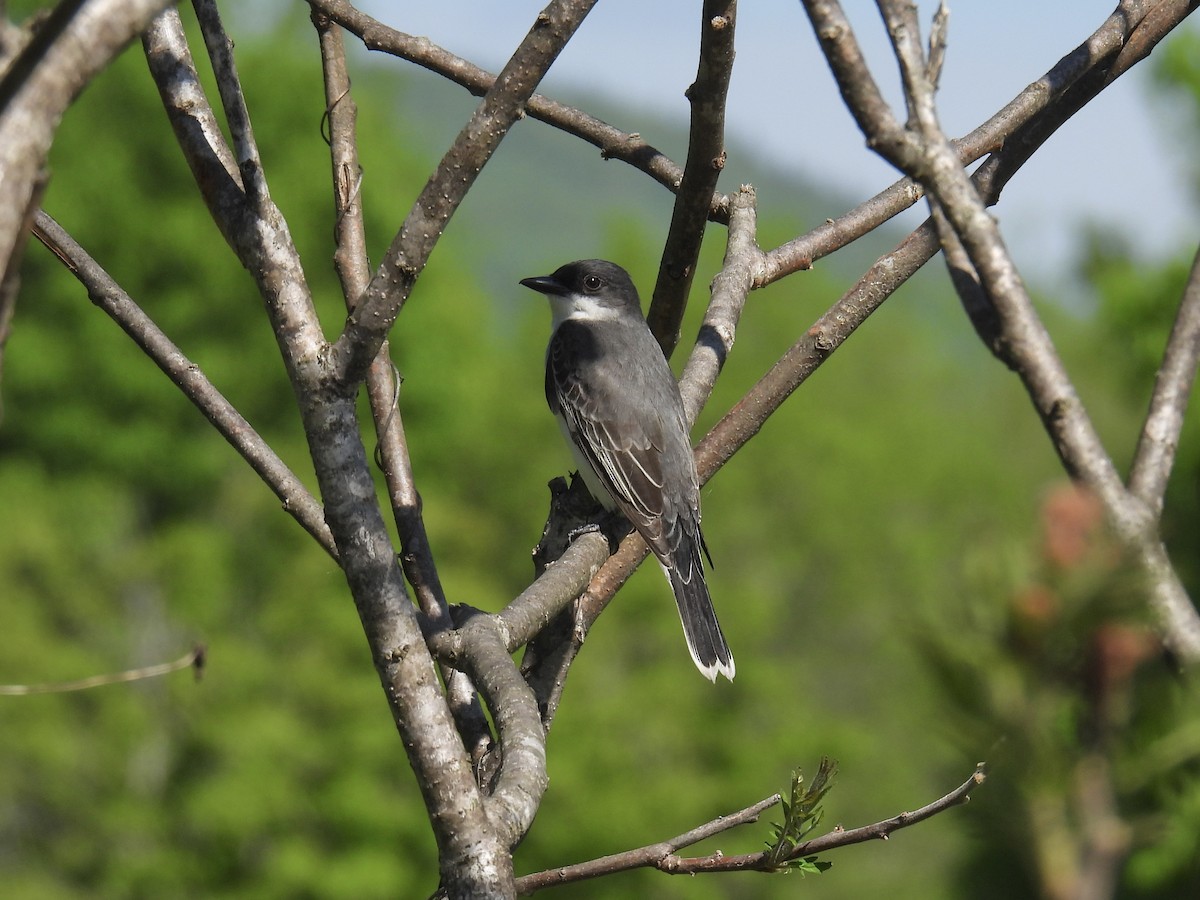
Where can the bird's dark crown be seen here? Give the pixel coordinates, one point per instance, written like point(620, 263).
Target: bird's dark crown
point(599, 278)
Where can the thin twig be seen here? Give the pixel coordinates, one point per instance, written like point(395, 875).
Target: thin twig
point(1124, 37)
point(662, 856)
point(194, 659)
point(187, 376)
point(612, 142)
point(1159, 438)
point(642, 857)
point(368, 325)
point(841, 837)
point(705, 160)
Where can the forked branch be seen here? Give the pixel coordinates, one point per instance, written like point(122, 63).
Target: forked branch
point(664, 855)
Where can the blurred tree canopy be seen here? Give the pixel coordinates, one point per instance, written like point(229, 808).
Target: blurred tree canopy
point(132, 530)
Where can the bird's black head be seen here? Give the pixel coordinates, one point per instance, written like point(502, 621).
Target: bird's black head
point(592, 281)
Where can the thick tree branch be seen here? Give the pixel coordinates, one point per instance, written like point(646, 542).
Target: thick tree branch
point(705, 160)
point(473, 857)
point(928, 156)
point(186, 375)
point(233, 102)
point(350, 261)
point(1159, 438)
point(376, 310)
point(22, 50)
point(37, 87)
point(517, 788)
point(383, 384)
point(252, 225)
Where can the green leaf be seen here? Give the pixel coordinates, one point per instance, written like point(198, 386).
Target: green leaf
point(800, 816)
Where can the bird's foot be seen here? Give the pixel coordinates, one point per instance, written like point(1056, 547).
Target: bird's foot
point(575, 533)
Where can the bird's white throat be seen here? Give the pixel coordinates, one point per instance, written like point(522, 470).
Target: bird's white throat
point(581, 308)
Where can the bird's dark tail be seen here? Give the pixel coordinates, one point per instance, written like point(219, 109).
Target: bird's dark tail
point(705, 641)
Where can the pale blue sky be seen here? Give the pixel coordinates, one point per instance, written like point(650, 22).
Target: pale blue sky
point(645, 52)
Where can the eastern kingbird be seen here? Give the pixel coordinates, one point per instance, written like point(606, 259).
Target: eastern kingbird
point(609, 386)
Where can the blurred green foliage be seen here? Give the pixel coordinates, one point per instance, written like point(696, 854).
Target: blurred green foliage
point(131, 531)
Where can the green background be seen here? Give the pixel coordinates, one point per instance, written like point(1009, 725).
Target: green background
point(869, 543)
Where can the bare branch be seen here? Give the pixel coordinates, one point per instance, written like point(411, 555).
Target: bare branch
point(662, 856)
point(194, 659)
point(36, 89)
point(383, 386)
point(472, 856)
point(195, 125)
point(532, 610)
point(928, 156)
point(730, 290)
point(965, 279)
point(383, 383)
point(938, 36)
point(376, 310)
point(517, 789)
point(1010, 135)
point(705, 160)
point(612, 142)
point(863, 98)
point(233, 101)
point(1159, 437)
point(30, 47)
point(253, 226)
point(186, 375)
point(341, 115)
point(648, 856)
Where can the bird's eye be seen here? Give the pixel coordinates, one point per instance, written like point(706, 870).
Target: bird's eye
point(592, 283)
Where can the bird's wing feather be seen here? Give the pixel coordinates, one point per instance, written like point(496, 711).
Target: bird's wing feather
point(626, 453)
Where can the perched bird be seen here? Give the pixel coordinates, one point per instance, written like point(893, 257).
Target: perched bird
point(616, 399)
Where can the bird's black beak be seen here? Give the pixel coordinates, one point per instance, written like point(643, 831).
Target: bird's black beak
point(543, 284)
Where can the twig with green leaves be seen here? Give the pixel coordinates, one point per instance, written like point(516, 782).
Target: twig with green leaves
point(788, 851)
